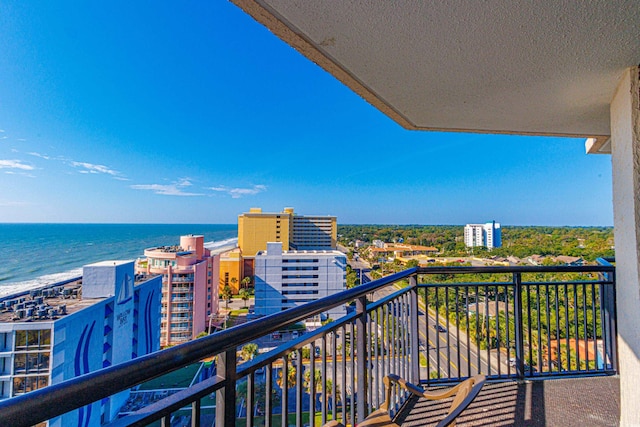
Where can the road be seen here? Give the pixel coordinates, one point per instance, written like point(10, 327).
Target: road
point(447, 350)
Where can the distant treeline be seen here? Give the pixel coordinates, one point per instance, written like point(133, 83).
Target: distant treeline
point(586, 242)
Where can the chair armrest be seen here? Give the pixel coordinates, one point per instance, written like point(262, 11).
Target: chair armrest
point(478, 382)
point(392, 378)
point(418, 391)
point(468, 389)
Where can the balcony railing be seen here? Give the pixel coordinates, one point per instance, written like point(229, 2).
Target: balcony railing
point(437, 325)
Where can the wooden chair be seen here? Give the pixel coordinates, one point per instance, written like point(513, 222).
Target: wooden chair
point(463, 393)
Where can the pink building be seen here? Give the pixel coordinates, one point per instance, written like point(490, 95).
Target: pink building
point(189, 287)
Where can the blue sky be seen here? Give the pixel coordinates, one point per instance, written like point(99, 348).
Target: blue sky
point(191, 112)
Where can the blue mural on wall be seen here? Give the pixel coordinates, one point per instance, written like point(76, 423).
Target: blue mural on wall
point(148, 322)
point(126, 290)
point(81, 366)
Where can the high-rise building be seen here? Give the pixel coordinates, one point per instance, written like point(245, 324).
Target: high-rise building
point(56, 333)
point(256, 228)
point(312, 232)
point(285, 279)
point(190, 275)
point(488, 235)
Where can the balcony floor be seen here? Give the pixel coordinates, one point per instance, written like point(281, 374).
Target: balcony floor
point(579, 402)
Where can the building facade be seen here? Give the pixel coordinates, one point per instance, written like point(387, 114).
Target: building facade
point(256, 228)
point(488, 235)
point(231, 269)
point(301, 232)
point(189, 287)
point(60, 332)
point(285, 279)
point(312, 232)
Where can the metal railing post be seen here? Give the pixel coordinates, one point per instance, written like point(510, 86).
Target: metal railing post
point(613, 322)
point(361, 361)
point(414, 329)
point(519, 329)
point(226, 396)
point(609, 317)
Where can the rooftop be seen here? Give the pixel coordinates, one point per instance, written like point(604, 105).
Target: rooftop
point(177, 249)
point(44, 305)
point(51, 302)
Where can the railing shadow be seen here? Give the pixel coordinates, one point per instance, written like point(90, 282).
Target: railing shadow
point(580, 402)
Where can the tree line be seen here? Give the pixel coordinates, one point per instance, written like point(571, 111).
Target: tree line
point(586, 242)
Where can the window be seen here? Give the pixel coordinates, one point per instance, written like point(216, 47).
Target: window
point(299, 292)
point(286, 285)
point(25, 384)
point(38, 362)
point(21, 339)
point(33, 339)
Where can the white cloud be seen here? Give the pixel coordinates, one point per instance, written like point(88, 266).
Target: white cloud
point(175, 189)
point(15, 164)
point(237, 193)
point(93, 168)
point(42, 156)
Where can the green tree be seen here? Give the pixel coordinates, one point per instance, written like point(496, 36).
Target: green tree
point(234, 281)
point(249, 351)
point(245, 295)
point(291, 377)
point(412, 263)
point(246, 282)
point(317, 378)
point(226, 295)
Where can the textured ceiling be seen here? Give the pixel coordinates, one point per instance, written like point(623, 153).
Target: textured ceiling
point(536, 67)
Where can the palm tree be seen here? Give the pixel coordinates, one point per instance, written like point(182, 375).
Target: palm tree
point(246, 282)
point(317, 378)
point(249, 351)
point(245, 295)
point(233, 281)
point(226, 295)
point(291, 377)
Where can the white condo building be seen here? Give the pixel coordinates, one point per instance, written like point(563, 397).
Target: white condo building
point(63, 331)
point(285, 279)
point(488, 235)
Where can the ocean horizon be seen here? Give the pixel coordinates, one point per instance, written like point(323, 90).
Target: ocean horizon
point(37, 254)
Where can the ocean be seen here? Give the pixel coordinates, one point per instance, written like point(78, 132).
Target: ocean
point(32, 255)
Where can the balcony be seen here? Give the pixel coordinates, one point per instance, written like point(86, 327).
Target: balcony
point(182, 279)
point(554, 327)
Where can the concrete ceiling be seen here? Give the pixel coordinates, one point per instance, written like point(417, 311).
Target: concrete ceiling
point(541, 67)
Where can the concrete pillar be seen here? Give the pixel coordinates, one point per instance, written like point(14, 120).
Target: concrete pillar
point(625, 141)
